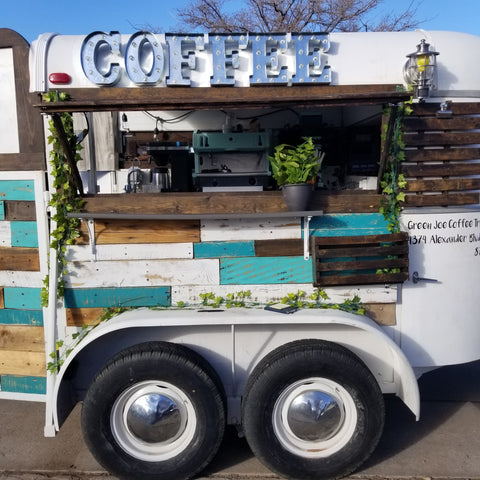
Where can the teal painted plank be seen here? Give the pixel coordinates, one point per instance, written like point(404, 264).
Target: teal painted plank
point(21, 317)
point(265, 270)
point(18, 384)
point(117, 297)
point(223, 249)
point(348, 224)
point(2, 210)
point(17, 297)
point(17, 190)
point(24, 234)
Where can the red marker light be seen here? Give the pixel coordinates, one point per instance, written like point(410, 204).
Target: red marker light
point(59, 78)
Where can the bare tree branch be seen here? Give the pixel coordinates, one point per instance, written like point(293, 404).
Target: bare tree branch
point(295, 15)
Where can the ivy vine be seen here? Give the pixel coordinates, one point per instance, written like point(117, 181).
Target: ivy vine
point(241, 299)
point(64, 197)
point(393, 182)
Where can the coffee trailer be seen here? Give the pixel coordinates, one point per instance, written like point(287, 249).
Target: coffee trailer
point(159, 326)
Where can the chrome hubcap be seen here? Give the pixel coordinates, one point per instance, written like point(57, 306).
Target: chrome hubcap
point(314, 417)
point(153, 421)
point(154, 418)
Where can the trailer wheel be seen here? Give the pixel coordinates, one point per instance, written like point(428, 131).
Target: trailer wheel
point(312, 410)
point(156, 410)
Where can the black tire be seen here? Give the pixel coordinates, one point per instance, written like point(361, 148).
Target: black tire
point(285, 416)
point(156, 410)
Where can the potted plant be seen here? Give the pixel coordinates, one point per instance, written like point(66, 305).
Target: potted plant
point(295, 168)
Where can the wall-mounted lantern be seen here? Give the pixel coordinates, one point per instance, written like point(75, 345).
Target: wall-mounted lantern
point(420, 69)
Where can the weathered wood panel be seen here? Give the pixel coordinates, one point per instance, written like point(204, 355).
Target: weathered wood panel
point(117, 297)
point(141, 231)
point(30, 130)
point(264, 294)
point(442, 154)
point(344, 224)
point(135, 251)
point(19, 337)
point(141, 273)
point(28, 298)
point(442, 185)
point(20, 210)
point(279, 248)
point(5, 234)
point(226, 97)
point(77, 317)
point(382, 313)
point(17, 258)
point(17, 190)
point(433, 139)
point(224, 249)
point(265, 270)
point(227, 202)
point(15, 278)
point(24, 234)
point(11, 316)
point(23, 384)
point(250, 229)
point(14, 362)
point(442, 200)
point(413, 124)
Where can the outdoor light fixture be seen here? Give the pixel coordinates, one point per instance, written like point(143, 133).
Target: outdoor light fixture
point(420, 69)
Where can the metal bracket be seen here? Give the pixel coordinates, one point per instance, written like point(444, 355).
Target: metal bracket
point(306, 237)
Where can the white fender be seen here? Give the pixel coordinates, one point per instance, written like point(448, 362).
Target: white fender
point(235, 340)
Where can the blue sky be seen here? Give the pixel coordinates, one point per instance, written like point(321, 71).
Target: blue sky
point(33, 17)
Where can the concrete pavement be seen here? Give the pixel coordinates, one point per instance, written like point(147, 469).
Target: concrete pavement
point(445, 444)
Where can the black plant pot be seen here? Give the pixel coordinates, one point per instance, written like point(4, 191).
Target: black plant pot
point(297, 196)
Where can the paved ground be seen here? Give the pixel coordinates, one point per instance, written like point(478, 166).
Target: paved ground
point(445, 444)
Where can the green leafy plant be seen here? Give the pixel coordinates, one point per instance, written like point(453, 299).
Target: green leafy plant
point(393, 182)
point(296, 164)
point(64, 197)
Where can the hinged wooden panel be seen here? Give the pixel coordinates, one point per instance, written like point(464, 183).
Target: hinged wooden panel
point(358, 260)
point(442, 158)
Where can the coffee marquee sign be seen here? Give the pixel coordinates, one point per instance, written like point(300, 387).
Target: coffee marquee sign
point(240, 59)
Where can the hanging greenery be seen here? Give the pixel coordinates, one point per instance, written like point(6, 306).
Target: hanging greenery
point(393, 182)
point(64, 197)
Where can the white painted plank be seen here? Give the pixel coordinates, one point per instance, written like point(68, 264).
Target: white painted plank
point(250, 229)
point(271, 293)
point(133, 273)
point(147, 251)
point(5, 234)
point(21, 279)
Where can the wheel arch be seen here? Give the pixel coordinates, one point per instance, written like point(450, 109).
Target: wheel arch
point(357, 333)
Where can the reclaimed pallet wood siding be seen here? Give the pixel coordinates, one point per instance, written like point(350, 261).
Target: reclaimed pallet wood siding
point(131, 273)
point(371, 294)
point(265, 270)
point(348, 224)
point(137, 251)
point(117, 297)
point(112, 232)
point(23, 384)
point(248, 229)
point(224, 249)
point(22, 351)
point(442, 164)
point(17, 190)
point(21, 306)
